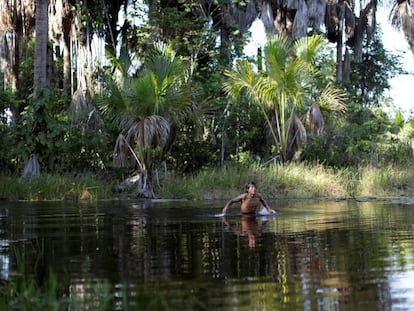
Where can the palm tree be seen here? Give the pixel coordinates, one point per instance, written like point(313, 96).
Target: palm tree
point(401, 16)
point(145, 108)
point(284, 89)
point(41, 41)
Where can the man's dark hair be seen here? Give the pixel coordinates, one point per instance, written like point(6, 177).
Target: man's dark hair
point(247, 186)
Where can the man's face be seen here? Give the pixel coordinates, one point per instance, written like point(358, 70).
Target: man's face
point(252, 189)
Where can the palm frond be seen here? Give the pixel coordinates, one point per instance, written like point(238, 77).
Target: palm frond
point(116, 63)
point(112, 104)
point(297, 136)
point(401, 16)
point(406, 133)
point(81, 103)
point(240, 81)
point(332, 99)
point(241, 78)
point(122, 156)
point(140, 97)
point(307, 48)
point(297, 76)
point(149, 132)
point(169, 77)
point(314, 120)
point(277, 56)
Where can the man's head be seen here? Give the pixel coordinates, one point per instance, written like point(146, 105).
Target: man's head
point(250, 187)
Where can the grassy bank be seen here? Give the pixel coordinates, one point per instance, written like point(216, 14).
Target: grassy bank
point(288, 182)
point(54, 188)
point(293, 181)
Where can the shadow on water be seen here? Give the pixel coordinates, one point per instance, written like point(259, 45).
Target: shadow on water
point(175, 255)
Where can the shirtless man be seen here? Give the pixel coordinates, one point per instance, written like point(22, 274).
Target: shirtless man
point(250, 201)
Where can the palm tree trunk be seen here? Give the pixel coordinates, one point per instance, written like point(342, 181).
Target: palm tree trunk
point(40, 59)
point(339, 44)
point(67, 23)
point(14, 72)
point(67, 80)
point(145, 189)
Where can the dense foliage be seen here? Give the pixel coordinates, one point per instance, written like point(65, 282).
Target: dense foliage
point(174, 110)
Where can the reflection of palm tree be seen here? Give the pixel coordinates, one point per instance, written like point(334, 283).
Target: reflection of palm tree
point(145, 108)
point(281, 91)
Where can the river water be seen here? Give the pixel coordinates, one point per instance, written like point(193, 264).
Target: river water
point(179, 256)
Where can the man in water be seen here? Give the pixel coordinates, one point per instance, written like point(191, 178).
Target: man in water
point(250, 201)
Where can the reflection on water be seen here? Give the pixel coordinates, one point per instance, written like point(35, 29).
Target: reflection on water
point(313, 256)
point(249, 227)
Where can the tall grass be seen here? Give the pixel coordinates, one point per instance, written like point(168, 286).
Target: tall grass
point(386, 181)
point(291, 181)
point(274, 181)
point(212, 183)
point(55, 188)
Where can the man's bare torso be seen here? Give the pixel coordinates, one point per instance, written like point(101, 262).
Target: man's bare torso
point(250, 203)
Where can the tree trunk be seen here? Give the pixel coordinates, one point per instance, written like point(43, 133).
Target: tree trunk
point(67, 21)
point(16, 22)
point(67, 76)
point(41, 40)
point(145, 186)
point(12, 74)
point(346, 67)
point(268, 18)
point(339, 44)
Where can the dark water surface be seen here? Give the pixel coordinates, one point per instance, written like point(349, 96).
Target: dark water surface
point(177, 256)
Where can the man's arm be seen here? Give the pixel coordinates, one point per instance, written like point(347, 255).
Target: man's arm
point(230, 202)
point(271, 211)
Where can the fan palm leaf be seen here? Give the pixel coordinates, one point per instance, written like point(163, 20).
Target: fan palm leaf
point(149, 132)
point(145, 107)
point(122, 157)
point(112, 105)
point(168, 77)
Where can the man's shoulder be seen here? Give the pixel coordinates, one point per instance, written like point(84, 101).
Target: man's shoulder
point(239, 197)
point(243, 196)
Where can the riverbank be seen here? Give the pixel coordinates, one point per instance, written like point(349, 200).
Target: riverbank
point(294, 181)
